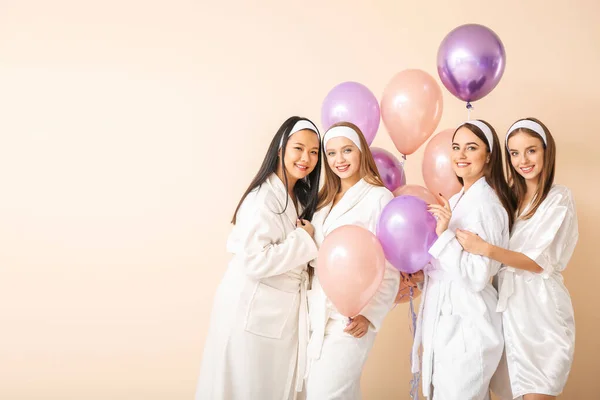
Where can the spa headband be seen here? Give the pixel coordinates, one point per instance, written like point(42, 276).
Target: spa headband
point(527, 124)
point(300, 126)
point(485, 129)
point(342, 131)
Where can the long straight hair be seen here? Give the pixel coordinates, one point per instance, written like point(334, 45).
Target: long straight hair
point(306, 189)
point(368, 169)
point(546, 180)
point(493, 171)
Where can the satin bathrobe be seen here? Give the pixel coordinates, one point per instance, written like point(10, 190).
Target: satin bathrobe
point(539, 324)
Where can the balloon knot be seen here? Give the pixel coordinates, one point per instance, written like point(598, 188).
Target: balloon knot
point(469, 105)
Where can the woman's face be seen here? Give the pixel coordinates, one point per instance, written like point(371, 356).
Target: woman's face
point(469, 155)
point(301, 154)
point(343, 157)
point(526, 154)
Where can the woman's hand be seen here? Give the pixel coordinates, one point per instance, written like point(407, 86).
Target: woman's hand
point(472, 243)
point(442, 214)
point(306, 225)
point(358, 326)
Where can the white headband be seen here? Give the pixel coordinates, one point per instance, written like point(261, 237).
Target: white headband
point(485, 129)
point(342, 131)
point(527, 124)
point(301, 125)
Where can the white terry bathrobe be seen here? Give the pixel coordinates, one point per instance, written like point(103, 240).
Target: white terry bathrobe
point(458, 325)
point(538, 319)
point(336, 359)
point(256, 345)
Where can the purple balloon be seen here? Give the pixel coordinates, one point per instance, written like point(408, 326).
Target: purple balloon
point(471, 61)
point(390, 169)
point(352, 102)
point(406, 231)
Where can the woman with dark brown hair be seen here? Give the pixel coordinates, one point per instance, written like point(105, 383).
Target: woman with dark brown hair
point(353, 194)
point(458, 325)
point(539, 325)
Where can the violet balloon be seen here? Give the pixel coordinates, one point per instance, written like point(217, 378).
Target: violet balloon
point(389, 167)
point(406, 231)
point(470, 61)
point(352, 102)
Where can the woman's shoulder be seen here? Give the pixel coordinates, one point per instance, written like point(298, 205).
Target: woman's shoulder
point(380, 193)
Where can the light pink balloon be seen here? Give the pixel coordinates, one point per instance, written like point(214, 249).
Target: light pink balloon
point(350, 268)
point(411, 108)
point(438, 174)
point(417, 191)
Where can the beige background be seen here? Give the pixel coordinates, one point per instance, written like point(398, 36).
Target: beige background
point(129, 129)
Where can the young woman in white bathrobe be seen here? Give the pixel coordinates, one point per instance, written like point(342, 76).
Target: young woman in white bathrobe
point(256, 345)
point(539, 325)
point(458, 325)
point(353, 194)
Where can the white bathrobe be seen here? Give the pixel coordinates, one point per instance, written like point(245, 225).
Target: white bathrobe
point(336, 359)
point(458, 325)
point(256, 345)
point(539, 325)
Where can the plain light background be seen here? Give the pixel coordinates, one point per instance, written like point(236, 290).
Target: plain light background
point(129, 129)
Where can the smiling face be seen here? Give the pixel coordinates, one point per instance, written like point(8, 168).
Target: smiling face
point(469, 155)
point(343, 157)
point(526, 154)
point(301, 154)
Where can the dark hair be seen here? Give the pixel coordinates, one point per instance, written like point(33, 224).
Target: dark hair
point(517, 182)
point(493, 172)
point(306, 189)
point(368, 169)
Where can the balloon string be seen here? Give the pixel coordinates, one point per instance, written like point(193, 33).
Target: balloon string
point(414, 382)
point(469, 108)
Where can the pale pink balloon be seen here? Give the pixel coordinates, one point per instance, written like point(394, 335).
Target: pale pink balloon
point(438, 174)
point(411, 108)
point(417, 191)
point(350, 268)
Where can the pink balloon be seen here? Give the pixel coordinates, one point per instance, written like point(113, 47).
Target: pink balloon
point(389, 167)
point(411, 108)
point(350, 268)
point(355, 103)
point(438, 174)
point(417, 191)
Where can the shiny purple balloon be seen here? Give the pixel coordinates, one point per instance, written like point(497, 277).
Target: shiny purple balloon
point(355, 103)
point(471, 61)
point(389, 167)
point(406, 231)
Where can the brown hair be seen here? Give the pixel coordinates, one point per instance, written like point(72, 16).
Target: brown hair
point(493, 171)
point(368, 169)
point(517, 182)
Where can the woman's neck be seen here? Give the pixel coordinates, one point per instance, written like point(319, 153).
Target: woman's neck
point(531, 186)
point(345, 185)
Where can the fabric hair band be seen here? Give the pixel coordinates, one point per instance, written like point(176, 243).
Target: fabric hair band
point(485, 129)
point(301, 125)
point(527, 124)
point(342, 131)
